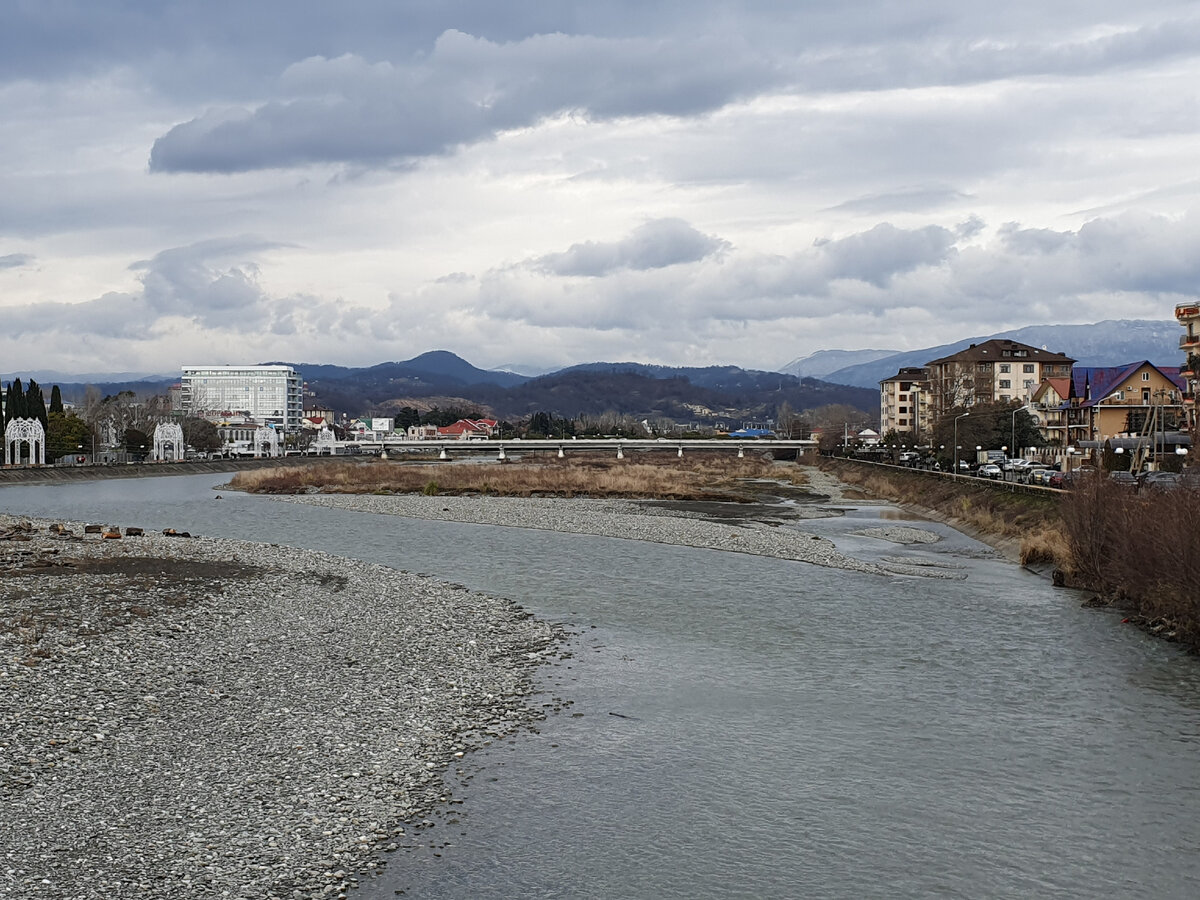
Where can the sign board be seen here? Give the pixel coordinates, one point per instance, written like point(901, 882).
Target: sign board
point(378, 425)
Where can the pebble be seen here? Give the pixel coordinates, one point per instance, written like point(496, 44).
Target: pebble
point(169, 732)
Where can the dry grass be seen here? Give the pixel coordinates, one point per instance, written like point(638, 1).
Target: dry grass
point(662, 476)
point(1045, 545)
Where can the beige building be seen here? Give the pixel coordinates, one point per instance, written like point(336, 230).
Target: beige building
point(904, 403)
point(996, 370)
point(1131, 400)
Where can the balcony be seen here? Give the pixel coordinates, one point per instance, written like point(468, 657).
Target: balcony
point(1187, 311)
point(1189, 341)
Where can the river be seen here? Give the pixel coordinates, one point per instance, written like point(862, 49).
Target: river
point(751, 727)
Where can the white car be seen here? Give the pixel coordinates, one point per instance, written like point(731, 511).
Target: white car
point(991, 470)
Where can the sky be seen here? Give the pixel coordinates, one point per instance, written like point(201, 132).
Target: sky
point(538, 184)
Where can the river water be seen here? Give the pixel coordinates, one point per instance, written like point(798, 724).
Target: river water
point(751, 727)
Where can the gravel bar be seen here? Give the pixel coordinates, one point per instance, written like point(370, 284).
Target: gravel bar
point(608, 518)
point(184, 717)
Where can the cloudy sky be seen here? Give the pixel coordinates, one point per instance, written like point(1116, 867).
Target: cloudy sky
point(229, 181)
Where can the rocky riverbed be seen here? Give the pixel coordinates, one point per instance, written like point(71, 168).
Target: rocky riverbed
point(761, 533)
point(185, 717)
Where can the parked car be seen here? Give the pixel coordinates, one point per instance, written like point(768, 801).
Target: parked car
point(1124, 479)
point(990, 470)
point(1036, 476)
point(1055, 479)
point(1160, 481)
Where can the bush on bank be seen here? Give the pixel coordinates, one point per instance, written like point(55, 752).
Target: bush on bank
point(1139, 551)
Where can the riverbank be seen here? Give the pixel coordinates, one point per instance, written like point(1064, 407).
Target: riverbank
point(61, 474)
point(188, 717)
point(1024, 529)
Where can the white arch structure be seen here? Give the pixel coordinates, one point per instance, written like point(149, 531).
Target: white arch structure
point(168, 438)
point(21, 431)
point(269, 437)
point(325, 442)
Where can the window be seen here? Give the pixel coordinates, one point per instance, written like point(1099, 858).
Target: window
point(1027, 368)
point(1027, 383)
point(1005, 383)
point(1145, 376)
point(1004, 367)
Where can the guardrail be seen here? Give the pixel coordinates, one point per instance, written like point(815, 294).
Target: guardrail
point(1014, 487)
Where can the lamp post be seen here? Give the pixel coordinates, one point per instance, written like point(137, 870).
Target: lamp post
point(956, 418)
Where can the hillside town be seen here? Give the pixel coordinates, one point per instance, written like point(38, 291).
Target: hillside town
point(997, 400)
point(1136, 410)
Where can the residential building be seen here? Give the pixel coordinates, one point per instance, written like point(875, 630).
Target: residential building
point(468, 429)
point(267, 395)
point(904, 403)
point(997, 370)
point(1049, 404)
point(1188, 315)
point(1129, 400)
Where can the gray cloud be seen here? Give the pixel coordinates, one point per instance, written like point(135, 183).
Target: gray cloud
point(654, 245)
point(15, 260)
point(468, 89)
point(912, 199)
point(876, 256)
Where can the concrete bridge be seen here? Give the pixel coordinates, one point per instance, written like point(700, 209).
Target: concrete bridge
point(561, 447)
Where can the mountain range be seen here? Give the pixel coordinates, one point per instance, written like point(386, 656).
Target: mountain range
point(1109, 343)
point(681, 393)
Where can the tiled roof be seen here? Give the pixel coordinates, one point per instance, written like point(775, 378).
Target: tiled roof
point(993, 351)
point(1103, 380)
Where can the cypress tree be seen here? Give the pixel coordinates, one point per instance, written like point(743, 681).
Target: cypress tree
point(16, 400)
point(56, 400)
point(35, 404)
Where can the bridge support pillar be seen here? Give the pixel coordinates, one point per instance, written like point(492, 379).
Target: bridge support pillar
point(741, 453)
point(561, 454)
point(681, 451)
point(501, 454)
point(620, 452)
point(443, 454)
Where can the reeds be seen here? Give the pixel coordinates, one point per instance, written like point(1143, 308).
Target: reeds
point(662, 476)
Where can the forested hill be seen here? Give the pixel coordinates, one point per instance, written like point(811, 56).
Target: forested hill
point(621, 388)
point(629, 389)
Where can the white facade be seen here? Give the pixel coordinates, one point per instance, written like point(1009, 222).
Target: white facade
point(270, 395)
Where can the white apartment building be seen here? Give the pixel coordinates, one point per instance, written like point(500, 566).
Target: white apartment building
point(270, 395)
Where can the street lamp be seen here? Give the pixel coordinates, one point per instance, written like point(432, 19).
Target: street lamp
point(956, 448)
point(1024, 408)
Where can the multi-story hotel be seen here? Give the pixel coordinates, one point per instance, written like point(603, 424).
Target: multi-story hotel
point(996, 370)
point(904, 403)
point(268, 395)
